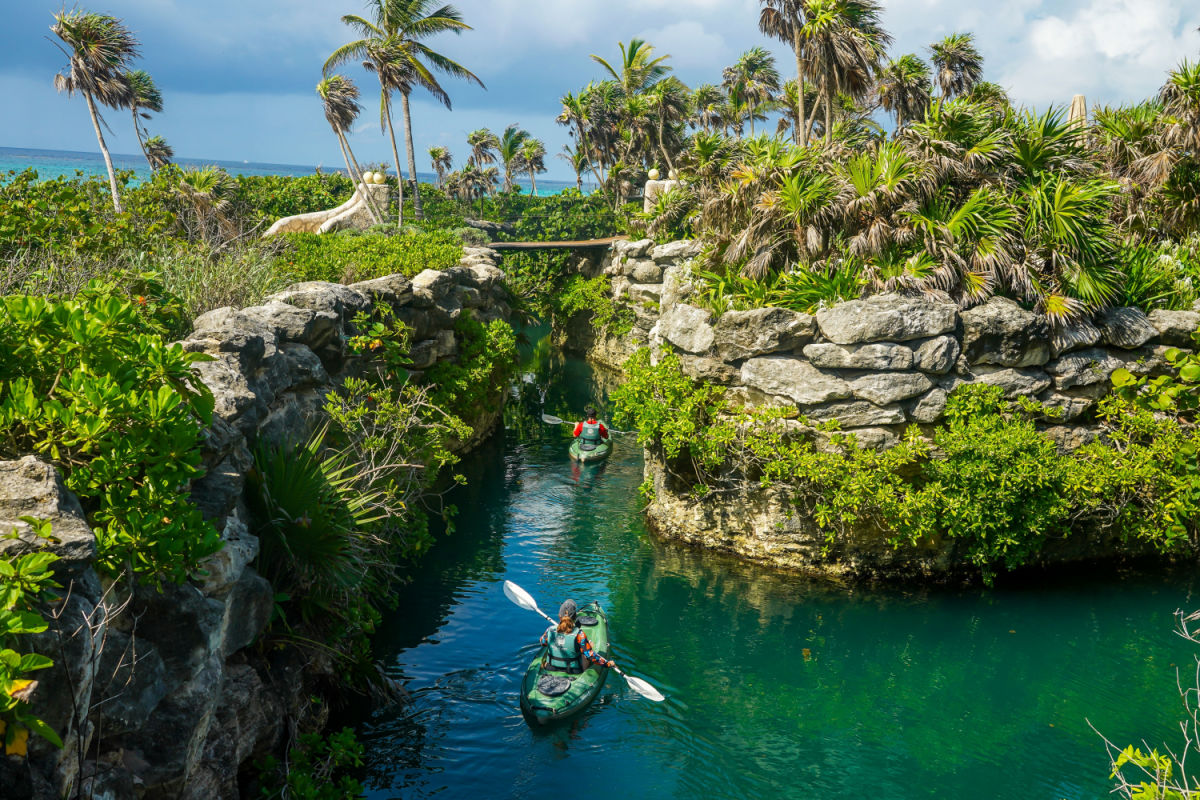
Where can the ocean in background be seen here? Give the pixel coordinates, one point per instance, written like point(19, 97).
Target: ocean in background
point(56, 163)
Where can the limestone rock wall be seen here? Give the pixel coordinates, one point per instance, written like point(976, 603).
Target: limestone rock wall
point(158, 693)
point(876, 365)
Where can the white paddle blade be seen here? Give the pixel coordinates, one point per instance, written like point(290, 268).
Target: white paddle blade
point(520, 597)
point(550, 419)
point(644, 689)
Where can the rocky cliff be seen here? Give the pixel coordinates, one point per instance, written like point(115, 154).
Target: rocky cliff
point(876, 366)
point(158, 692)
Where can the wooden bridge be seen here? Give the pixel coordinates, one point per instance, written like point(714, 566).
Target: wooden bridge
point(587, 244)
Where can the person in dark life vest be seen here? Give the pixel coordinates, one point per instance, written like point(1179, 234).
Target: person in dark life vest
point(567, 647)
point(591, 432)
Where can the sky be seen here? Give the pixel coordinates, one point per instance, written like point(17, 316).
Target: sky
point(238, 76)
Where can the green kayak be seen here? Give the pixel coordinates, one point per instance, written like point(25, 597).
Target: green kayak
point(566, 695)
point(597, 453)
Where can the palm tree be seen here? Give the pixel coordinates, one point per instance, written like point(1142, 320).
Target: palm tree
point(669, 98)
point(392, 48)
point(143, 96)
point(755, 77)
point(576, 111)
point(158, 152)
point(98, 49)
point(706, 106)
point(958, 65)
point(533, 158)
point(577, 157)
point(510, 150)
point(483, 144)
point(843, 43)
point(340, 98)
point(637, 69)
point(784, 20)
point(905, 89)
point(1180, 98)
point(442, 162)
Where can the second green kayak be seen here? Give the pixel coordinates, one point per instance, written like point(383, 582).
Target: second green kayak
point(547, 696)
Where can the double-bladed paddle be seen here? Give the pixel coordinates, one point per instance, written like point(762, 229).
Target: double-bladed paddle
point(526, 601)
point(550, 419)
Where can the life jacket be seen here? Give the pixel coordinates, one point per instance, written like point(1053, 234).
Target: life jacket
point(591, 434)
point(562, 652)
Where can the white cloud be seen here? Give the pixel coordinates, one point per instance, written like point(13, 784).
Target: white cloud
point(689, 45)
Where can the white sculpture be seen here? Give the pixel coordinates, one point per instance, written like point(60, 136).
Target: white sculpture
point(354, 213)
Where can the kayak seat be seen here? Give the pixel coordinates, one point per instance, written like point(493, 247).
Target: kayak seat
point(553, 685)
point(587, 620)
point(587, 447)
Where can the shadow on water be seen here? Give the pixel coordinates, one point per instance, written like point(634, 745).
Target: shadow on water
point(776, 686)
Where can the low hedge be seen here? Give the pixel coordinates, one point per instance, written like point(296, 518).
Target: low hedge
point(349, 257)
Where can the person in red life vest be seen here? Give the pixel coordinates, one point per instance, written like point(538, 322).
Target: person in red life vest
point(567, 647)
point(591, 432)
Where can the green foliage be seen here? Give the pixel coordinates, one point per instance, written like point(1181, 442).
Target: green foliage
point(91, 384)
point(472, 382)
point(315, 770)
point(593, 296)
point(24, 580)
point(266, 198)
point(66, 217)
point(348, 258)
point(721, 289)
point(1160, 275)
point(996, 491)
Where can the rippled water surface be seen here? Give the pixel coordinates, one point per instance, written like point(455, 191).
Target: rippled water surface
point(777, 686)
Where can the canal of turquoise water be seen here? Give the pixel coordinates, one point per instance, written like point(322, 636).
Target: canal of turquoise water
point(777, 686)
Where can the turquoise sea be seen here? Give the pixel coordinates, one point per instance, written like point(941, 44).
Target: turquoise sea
point(56, 163)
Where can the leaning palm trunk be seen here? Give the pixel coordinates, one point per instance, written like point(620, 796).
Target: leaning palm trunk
point(663, 147)
point(141, 142)
point(587, 148)
point(357, 176)
point(379, 214)
point(112, 175)
point(399, 176)
point(412, 158)
point(533, 180)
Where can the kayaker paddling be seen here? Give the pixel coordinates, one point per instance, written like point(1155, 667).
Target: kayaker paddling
point(567, 646)
point(591, 432)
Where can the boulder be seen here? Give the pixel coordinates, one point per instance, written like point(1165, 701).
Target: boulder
point(687, 328)
point(1175, 328)
point(645, 292)
point(290, 323)
point(1075, 336)
point(1088, 367)
point(761, 331)
point(432, 285)
point(304, 368)
point(1126, 328)
point(220, 571)
point(468, 296)
point(709, 370)
point(633, 249)
point(218, 490)
point(794, 378)
point(677, 251)
point(856, 414)
point(1070, 438)
point(886, 388)
point(394, 290)
point(325, 296)
point(880, 356)
point(1014, 382)
point(677, 286)
point(130, 682)
point(1002, 333)
point(227, 331)
point(645, 272)
point(886, 318)
point(1070, 407)
point(30, 487)
point(930, 408)
point(424, 354)
point(937, 355)
point(236, 401)
point(182, 623)
point(292, 418)
point(877, 439)
point(248, 607)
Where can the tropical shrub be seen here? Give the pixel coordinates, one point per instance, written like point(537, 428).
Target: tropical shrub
point(24, 581)
point(593, 296)
point(343, 258)
point(997, 490)
point(266, 198)
point(91, 385)
point(316, 769)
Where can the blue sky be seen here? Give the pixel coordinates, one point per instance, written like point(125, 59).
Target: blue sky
point(238, 75)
